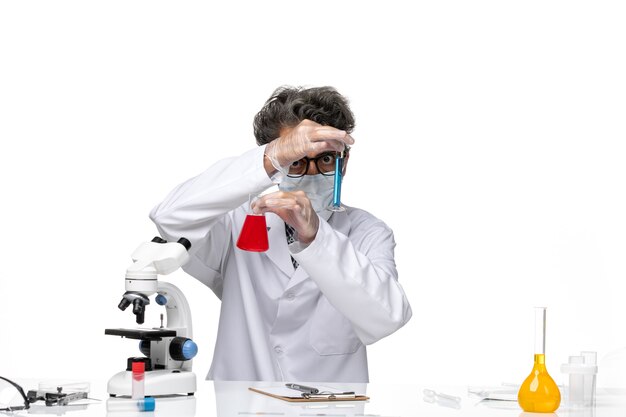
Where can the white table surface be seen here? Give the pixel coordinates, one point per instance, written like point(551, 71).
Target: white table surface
point(225, 399)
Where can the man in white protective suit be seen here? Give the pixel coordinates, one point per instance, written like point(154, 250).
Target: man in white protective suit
point(305, 309)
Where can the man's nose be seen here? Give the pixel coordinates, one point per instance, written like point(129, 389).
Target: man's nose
point(312, 168)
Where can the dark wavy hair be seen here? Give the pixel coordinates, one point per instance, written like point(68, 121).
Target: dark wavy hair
point(288, 106)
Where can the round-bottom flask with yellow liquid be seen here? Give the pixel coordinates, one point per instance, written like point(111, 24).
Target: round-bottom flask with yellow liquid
point(539, 393)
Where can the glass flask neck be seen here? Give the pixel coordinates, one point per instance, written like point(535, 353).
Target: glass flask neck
point(540, 331)
point(540, 360)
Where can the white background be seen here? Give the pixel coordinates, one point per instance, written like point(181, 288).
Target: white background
point(490, 137)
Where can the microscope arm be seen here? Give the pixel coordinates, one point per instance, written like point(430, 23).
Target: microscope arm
point(176, 308)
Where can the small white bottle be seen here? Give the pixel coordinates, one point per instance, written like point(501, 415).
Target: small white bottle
point(581, 371)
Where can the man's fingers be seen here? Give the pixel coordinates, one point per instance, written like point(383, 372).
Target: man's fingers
point(285, 203)
point(327, 146)
point(280, 203)
point(276, 201)
point(330, 133)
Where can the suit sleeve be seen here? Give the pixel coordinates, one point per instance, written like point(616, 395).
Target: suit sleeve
point(361, 284)
point(198, 209)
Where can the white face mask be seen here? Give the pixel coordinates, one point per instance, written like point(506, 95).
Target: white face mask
point(318, 188)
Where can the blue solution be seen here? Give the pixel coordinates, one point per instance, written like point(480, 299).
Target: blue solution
point(337, 184)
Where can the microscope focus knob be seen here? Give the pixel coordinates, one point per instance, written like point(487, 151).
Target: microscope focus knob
point(183, 349)
point(161, 299)
point(144, 347)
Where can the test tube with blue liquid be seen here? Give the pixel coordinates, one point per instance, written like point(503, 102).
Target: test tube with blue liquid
point(336, 203)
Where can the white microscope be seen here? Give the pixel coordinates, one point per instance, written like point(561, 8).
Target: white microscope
point(168, 350)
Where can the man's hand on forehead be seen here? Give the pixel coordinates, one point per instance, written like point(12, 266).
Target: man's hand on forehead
point(306, 139)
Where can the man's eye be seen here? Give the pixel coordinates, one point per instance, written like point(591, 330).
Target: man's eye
point(328, 159)
point(297, 164)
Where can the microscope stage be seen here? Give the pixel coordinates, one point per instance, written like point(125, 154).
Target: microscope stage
point(141, 334)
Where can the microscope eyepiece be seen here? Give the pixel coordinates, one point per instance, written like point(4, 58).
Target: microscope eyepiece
point(185, 242)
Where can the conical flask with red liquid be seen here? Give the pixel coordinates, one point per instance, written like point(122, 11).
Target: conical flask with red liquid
point(539, 393)
point(253, 235)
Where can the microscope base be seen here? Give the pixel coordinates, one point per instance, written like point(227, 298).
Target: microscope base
point(158, 382)
point(179, 406)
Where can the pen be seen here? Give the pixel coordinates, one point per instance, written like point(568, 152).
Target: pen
point(303, 388)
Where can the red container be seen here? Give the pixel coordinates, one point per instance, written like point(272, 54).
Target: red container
point(253, 236)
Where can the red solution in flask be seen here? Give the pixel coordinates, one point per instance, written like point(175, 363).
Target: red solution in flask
point(253, 236)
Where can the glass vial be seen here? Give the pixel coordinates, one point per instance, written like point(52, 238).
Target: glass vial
point(130, 405)
point(138, 383)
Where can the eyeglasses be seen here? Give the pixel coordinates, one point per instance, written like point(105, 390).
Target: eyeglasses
point(325, 164)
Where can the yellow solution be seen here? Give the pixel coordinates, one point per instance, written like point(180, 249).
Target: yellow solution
point(539, 393)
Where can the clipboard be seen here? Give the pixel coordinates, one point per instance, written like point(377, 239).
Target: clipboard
point(292, 396)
